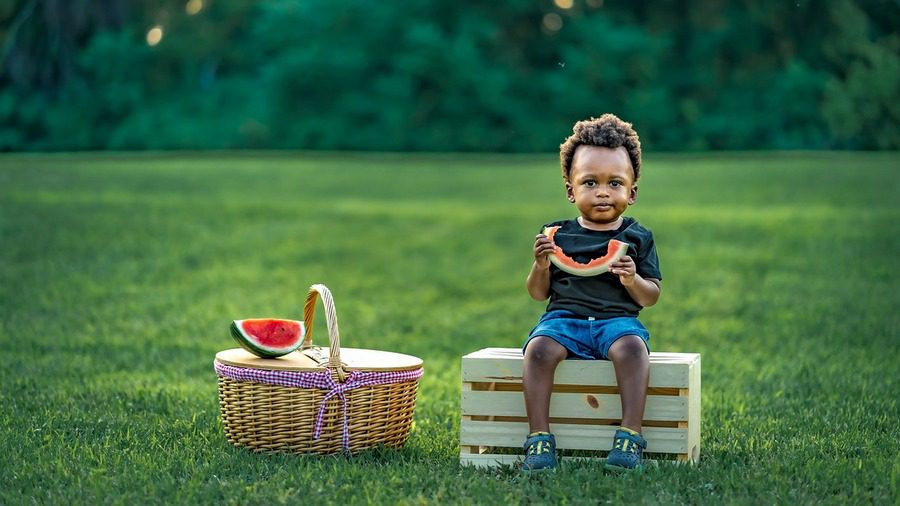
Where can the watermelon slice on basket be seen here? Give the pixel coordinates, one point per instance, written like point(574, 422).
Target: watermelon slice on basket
point(615, 251)
point(268, 337)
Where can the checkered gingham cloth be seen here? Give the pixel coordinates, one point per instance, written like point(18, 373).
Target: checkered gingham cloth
point(322, 380)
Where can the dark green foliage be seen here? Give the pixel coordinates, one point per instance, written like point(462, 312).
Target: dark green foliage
point(437, 75)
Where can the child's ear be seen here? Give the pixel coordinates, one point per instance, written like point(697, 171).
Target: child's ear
point(633, 197)
point(570, 193)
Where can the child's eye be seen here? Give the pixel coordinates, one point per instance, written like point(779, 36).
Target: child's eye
point(615, 184)
point(590, 184)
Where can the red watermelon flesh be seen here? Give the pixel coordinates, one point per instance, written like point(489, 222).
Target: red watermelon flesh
point(268, 337)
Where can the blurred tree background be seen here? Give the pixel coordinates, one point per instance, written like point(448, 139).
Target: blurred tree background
point(445, 75)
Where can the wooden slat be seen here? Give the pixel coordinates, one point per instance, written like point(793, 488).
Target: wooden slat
point(663, 408)
point(492, 460)
point(504, 365)
point(579, 421)
point(570, 389)
point(568, 437)
point(467, 387)
point(656, 356)
point(694, 412)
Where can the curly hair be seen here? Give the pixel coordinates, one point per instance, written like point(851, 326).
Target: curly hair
point(607, 131)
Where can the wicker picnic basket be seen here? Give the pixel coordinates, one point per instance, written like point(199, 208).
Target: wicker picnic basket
point(317, 400)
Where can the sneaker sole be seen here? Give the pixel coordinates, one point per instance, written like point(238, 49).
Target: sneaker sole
point(620, 469)
point(540, 470)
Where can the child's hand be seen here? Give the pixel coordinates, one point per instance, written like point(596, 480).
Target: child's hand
point(625, 269)
point(542, 249)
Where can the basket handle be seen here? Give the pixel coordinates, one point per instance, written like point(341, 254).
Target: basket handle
point(334, 338)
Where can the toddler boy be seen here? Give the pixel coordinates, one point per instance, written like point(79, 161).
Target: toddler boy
point(593, 317)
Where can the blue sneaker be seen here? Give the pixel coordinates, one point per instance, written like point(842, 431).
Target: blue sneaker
point(540, 452)
point(627, 453)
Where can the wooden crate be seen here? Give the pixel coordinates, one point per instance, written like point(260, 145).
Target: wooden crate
point(584, 409)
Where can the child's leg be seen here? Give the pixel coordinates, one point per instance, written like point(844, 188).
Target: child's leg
point(542, 355)
point(632, 364)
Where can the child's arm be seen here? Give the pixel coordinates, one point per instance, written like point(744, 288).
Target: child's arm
point(644, 291)
point(539, 278)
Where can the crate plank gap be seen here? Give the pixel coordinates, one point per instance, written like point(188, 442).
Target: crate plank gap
point(585, 410)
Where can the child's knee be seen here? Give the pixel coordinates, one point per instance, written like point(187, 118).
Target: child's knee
point(629, 347)
point(543, 351)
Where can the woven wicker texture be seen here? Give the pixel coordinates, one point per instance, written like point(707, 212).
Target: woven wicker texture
point(271, 417)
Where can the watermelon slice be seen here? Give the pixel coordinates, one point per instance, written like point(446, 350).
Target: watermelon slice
point(268, 337)
point(615, 251)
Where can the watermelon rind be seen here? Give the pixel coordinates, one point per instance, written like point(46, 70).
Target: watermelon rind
point(247, 342)
point(593, 271)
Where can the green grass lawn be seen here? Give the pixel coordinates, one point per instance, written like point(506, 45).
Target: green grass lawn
point(120, 274)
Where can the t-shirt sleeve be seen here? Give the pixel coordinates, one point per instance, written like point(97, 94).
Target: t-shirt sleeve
point(647, 260)
point(551, 224)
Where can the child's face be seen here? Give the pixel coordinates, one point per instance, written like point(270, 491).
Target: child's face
point(601, 184)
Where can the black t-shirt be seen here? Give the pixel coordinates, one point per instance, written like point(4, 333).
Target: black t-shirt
point(601, 296)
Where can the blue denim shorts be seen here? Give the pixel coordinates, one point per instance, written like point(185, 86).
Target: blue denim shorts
point(587, 338)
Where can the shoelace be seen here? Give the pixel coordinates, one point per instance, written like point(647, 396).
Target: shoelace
point(626, 445)
point(539, 448)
